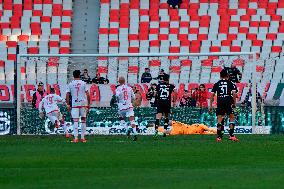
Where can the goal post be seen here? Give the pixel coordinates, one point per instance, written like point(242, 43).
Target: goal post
point(251, 60)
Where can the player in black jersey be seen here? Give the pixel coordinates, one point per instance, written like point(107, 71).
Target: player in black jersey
point(234, 73)
point(163, 102)
point(226, 101)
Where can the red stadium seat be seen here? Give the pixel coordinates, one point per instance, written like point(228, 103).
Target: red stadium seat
point(133, 69)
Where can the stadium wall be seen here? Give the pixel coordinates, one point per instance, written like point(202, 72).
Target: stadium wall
point(102, 94)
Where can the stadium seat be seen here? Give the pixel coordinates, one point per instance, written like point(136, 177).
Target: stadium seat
point(32, 25)
point(195, 27)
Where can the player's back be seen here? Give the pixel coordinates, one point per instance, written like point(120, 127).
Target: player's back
point(77, 89)
point(223, 88)
point(50, 102)
point(164, 92)
point(124, 95)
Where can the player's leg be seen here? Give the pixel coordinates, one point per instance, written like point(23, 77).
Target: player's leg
point(157, 122)
point(83, 115)
point(158, 117)
point(166, 123)
point(122, 116)
point(53, 118)
point(130, 115)
point(232, 128)
point(63, 124)
point(220, 122)
point(220, 127)
point(75, 117)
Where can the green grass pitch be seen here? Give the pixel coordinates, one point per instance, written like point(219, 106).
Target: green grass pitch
point(115, 162)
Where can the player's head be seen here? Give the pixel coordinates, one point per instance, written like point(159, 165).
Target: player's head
point(52, 90)
point(166, 78)
point(224, 74)
point(76, 74)
point(40, 86)
point(121, 80)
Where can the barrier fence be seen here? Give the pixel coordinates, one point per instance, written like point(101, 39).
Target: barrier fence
point(107, 117)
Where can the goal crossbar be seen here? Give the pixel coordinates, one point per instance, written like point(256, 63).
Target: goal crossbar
point(18, 72)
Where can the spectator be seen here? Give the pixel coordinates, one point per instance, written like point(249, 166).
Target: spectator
point(201, 97)
point(146, 76)
point(151, 95)
point(100, 80)
point(38, 95)
point(162, 76)
point(113, 101)
point(138, 97)
point(174, 3)
point(248, 99)
point(186, 100)
point(234, 73)
point(85, 77)
point(192, 93)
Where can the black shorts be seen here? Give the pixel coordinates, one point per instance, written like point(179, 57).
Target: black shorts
point(163, 107)
point(224, 109)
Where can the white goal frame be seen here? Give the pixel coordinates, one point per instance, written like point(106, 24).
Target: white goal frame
point(18, 72)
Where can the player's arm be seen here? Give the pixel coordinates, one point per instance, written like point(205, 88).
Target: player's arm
point(60, 99)
point(213, 92)
point(117, 93)
point(234, 94)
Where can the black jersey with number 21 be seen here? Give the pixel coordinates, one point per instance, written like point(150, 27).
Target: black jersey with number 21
point(223, 88)
point(164, 92)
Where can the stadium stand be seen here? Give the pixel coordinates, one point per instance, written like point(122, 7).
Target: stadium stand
point(132, 26)
point(37, 26)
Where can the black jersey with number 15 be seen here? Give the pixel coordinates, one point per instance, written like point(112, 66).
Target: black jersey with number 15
point(223, 88)
point(164, 92)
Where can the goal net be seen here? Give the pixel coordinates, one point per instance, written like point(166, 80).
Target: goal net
point(187, 71)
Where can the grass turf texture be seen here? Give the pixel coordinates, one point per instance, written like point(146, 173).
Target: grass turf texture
point(115, 162)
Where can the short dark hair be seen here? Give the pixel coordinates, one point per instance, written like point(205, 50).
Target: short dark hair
point(224, 73)
point(76, 74)
point(52, 90)
point(166, 77)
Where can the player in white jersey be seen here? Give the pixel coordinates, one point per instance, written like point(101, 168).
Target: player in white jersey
point(78, 91)
point(49, 104)
point(125, 95)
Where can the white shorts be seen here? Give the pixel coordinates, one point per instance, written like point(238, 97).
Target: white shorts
point(53, 116)
point(76, 113)
point(126, 113)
